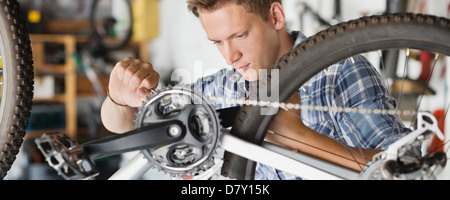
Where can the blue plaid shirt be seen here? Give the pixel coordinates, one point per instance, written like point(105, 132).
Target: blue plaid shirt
point(345, 84)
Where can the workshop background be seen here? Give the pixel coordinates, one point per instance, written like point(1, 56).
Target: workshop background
point(71, 71)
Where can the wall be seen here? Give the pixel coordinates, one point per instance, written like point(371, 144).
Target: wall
point(182, 42)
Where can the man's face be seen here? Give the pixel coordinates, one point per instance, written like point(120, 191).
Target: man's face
point(245, 40)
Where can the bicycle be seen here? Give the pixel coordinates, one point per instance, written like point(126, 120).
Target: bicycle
point(17, 79)
point(109, 32)
point(179, 132)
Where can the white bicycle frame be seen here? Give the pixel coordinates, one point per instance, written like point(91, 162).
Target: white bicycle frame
point(296, 163)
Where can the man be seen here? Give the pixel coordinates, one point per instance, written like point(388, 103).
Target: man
point(251, 36)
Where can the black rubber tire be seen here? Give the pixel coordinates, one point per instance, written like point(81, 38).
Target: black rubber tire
point(18, 80)
point(341, 41)
point(99, 47)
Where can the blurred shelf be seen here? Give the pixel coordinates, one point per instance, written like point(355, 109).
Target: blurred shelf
point(59, 98)
point(86, 89)
point(67, 69)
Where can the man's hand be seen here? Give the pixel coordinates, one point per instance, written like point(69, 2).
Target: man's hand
point(131, 81)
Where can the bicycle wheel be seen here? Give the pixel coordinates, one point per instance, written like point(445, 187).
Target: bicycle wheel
point(408, 32)
point(111, 25)
point(16, 82)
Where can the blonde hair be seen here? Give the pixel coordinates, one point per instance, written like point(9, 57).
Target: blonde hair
point(259, 7)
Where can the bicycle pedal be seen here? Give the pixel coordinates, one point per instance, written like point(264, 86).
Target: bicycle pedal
point(66, 156)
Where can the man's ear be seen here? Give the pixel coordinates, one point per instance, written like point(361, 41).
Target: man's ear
point(276, 15)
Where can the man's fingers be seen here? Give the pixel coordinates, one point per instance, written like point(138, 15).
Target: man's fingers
point(122, 66)
point(144, 73)
point(134, 76)
point(131, 71)
point(143, 93)
point(137, 79)
point(150, 82)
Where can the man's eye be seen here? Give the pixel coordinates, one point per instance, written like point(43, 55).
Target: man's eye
point(240, 36)
point(217, 42)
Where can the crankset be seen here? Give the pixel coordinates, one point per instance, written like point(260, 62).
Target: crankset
point(178, 130)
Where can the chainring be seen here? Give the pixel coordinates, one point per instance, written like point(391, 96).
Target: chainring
point(197, 155)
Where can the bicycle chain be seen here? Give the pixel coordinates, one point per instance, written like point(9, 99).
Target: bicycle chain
point(292, 106)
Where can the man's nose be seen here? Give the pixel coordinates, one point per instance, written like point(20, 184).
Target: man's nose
point(231, 54)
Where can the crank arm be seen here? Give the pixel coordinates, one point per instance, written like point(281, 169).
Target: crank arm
point(74, 161)
point(143, 138)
